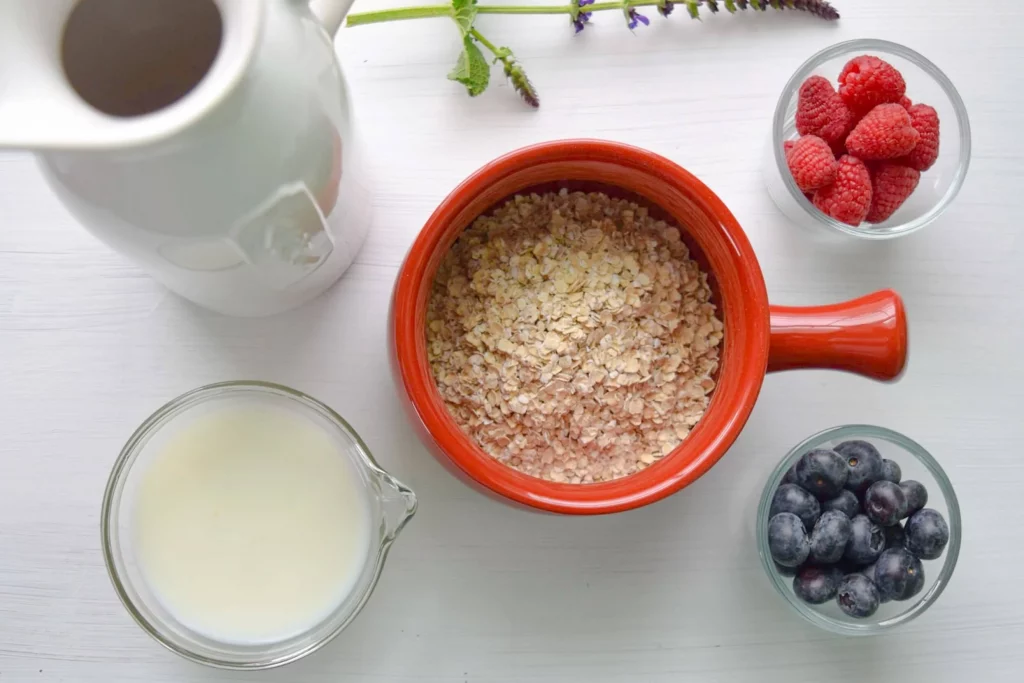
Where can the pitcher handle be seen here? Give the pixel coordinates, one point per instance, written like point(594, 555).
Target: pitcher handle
point(867, 336)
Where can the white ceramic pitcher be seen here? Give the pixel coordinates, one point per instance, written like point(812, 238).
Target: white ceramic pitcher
point(210, 141)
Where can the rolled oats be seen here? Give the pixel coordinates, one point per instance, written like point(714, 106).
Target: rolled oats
point(572, 336)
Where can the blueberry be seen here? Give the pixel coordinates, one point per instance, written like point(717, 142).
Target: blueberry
point(829, 537)
point(869, 574)
point(864, 463)
point(787, 539)
point(916, 495)
point(846, 502)
point(891, 471)
point(792, 498)
point(816, 585)
point(857, 596)
point(822, 472)
point(790, 476)
point(867, 541)
point(885, 503)
point(786, 571)
point(894, 536)
point(927, 534)
point(898, 575)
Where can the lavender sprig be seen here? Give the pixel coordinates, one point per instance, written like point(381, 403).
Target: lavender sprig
point(820, 8)
point(520, 82)
point(513, 71)
point(817, 7)
point(472, 70)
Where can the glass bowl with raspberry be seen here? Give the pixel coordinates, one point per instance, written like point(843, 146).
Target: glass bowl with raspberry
point(897, 130)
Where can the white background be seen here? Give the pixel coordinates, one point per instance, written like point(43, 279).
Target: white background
point(476, 591)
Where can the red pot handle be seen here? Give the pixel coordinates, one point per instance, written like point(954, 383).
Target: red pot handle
point(867, 336)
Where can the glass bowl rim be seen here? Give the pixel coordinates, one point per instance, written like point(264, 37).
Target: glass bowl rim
point(126, 458)
point(963, 128)
point(783, 585)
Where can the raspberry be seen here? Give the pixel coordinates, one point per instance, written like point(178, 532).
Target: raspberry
point(788, 145)
point(849, 197)
point(811, 163)
point(926, 122)
point(867, 81)
point(821, 112)
point(885, 133)
point(891, 184)
point(906, 102)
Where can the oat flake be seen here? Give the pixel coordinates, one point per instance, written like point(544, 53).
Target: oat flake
point(572, 336)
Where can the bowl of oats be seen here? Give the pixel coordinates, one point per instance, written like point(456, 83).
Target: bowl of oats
point(582, 327)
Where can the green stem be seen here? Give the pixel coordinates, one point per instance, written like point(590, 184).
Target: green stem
point(561, 9)
point(495, 50)
point(360, 18)
point(378, 16)
point(523, 9)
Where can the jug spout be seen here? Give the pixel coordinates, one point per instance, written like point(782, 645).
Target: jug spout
point(103, 74)
point(398, 504)
point(330, 13)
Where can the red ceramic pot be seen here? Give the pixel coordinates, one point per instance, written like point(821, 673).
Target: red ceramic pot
point(867, 336)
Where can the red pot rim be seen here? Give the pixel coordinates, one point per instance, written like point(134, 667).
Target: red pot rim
point(740, 294)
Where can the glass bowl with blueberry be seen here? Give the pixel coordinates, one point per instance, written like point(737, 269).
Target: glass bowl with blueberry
point(858, 529)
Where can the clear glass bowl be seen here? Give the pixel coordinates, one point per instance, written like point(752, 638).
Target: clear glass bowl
point(926, 84)
point(390, 504)
point(917, 464)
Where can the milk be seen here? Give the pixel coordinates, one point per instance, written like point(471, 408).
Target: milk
point(251, 525)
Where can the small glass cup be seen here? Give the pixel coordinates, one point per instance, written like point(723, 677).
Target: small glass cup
point(917, 464)
point(926, 84)
point(390, 505)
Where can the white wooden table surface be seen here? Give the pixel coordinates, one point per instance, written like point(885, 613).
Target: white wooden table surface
point(475, 591)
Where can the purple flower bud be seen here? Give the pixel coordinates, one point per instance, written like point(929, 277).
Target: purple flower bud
point(633, 18)
point(582, 18)
point(667, 8)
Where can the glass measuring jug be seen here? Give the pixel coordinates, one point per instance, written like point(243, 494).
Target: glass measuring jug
point(389, 505)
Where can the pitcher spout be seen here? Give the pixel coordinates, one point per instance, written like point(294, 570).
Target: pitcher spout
point(104, 74)
point(398, 503)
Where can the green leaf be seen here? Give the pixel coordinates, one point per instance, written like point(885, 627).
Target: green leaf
point(464, 14)
point(472, 69)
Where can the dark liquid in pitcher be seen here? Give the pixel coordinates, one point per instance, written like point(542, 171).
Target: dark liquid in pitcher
point(133, 57)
